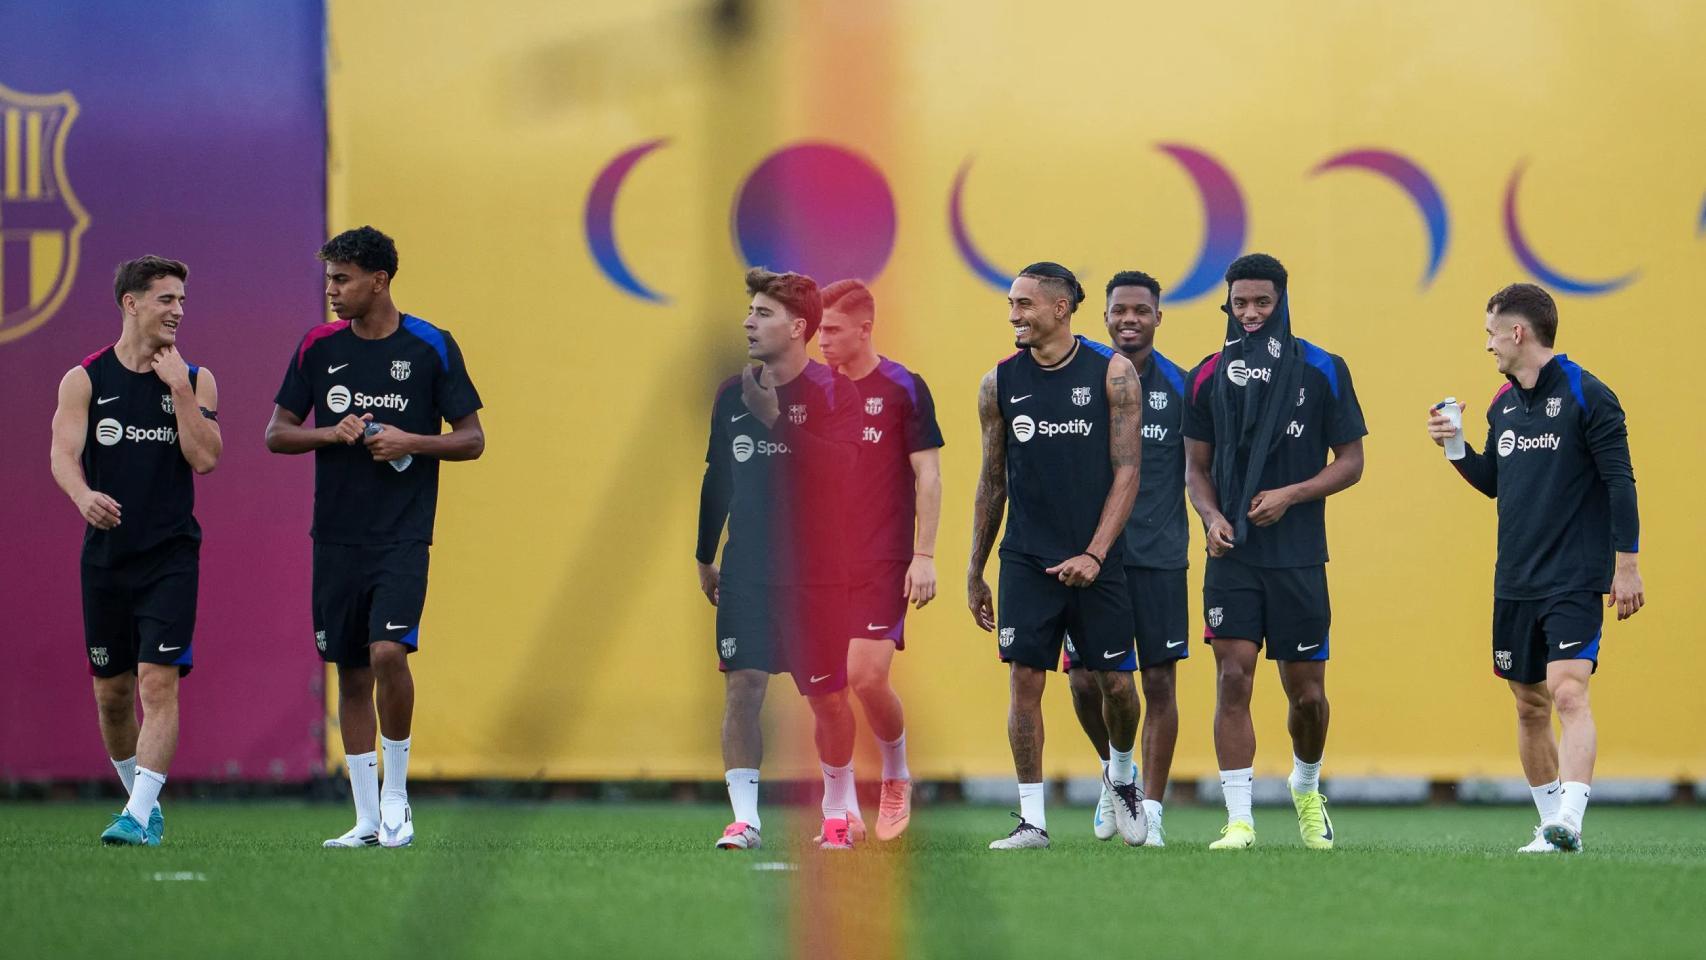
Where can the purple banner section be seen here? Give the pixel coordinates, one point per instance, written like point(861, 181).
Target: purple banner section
point(198, 134)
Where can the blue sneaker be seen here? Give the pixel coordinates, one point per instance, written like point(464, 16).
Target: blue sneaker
point(156, 827)
point(124, 831)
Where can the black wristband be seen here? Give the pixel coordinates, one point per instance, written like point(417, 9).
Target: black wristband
point(1099, 561)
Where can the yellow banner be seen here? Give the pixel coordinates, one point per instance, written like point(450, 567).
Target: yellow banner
point(576, 188)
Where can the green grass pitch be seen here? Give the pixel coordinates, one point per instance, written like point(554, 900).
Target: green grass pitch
point(597, 880)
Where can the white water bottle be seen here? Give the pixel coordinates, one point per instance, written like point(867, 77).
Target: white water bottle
point(402, 463)
point(1454, 449)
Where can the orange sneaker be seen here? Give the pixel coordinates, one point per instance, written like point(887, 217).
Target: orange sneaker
point(894, 809)
point(835, 836)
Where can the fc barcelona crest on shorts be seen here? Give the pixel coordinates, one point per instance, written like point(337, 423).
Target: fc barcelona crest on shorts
point(43, 221)
point(796, 413)
point(1554, 406)
point(1216, 615)
point(1081, 396)
point(873, 405)
point(399, 369)
point(98, 656)
point(726, 647)
point(1158, 399)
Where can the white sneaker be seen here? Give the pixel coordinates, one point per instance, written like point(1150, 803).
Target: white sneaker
point(1157, 837)
point(1129, 817)
point(1563, 836)
point(396, 823)
point(355, 839)
point(1025, 836)
point(1538, 845)
point(740, 835)
point(1103, 824)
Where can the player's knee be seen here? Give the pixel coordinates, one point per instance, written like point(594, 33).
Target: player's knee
point(158, 688)
point(1158, 692)
point(1310, 698)
point(867, 680)
point(115, 700)
point(1083, 685)
point(389, 659)
point(1571, 698)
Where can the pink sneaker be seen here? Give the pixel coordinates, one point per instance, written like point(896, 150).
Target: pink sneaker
point(855, 829)
point(836, 836)
point(739, 835)
point(894, 809)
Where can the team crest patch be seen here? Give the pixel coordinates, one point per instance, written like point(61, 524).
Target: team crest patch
point(1006, 637)
point(1273, 347)
point(1300, 395)
point(726, 647)
point(166, 402)
point(399, 369)
point(1554, 406)
point(1158, 399)
point(873, 405)
point(43, 221)
point(1502, 658)
point(796, 413)
point(320, 640)
point(1081, 396)
point(1215, 616)
point(98, 656)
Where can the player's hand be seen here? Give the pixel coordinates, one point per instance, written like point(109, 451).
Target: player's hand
point(760, 399)
point(981, 602)
point(349, 430)
point(1079, 571)
point(1440, 428)
point(920, 585)
point(171, 368)
point(1267, 507)
point(710, 579)
point(1627, 593)
point(100, 510)
point(1220, 536)
point(390, 444)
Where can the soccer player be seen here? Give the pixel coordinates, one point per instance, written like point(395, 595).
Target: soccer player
point(1061, 421)
point(1156, 541)
point(1557, 460)
point(896, 499)
point(784, 438)
point(1263, 413)
point(380, 382)
point(134, 424)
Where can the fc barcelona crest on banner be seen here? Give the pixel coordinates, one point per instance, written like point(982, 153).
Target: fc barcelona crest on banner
point(41, 222)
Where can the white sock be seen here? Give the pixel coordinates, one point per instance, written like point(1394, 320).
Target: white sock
point(837, 785)
point(853, 811)
point(127, 774)
point(894, 758)
point(1121, 769)
point(396, 768)
point(1031, 805)
point(1546, 800)
point(1152, 809)
point(1236, 784)
point(1305, 777)
point(364, 787)
point(145, 791)
point(743, 794)
point(1572, 802)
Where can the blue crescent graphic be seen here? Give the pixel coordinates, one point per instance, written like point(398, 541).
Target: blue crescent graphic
point(1223, 218)
point(1530, 262)
point(1413, 180)
point(988, 272)
point(600, 221)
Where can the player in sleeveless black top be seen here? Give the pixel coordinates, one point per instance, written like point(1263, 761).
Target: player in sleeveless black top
point(381, 384)
point(1061, 441)
point(135, 423)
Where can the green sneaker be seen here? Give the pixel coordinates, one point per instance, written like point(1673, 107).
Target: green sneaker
point(124, 831)
point(1236, 835)
point(1312, 820)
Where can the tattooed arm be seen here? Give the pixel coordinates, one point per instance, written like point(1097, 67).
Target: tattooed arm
point(1125, 449)
point(991, 501)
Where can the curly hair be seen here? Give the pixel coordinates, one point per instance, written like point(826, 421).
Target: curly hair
point(1135, 278)
point(1257, 266)
point(365, 247)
